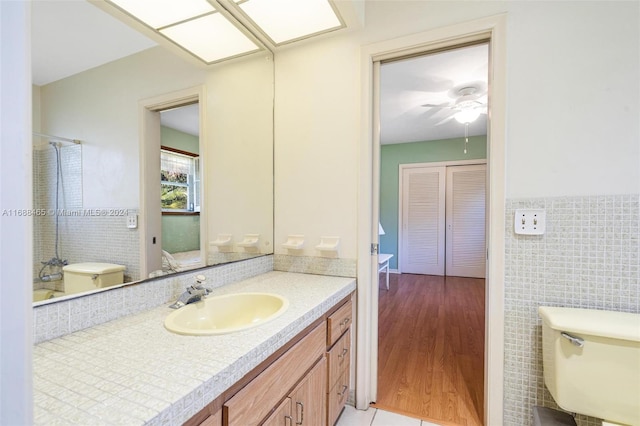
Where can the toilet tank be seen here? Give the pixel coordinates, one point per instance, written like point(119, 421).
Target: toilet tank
point(601, 378)
point(80, 277)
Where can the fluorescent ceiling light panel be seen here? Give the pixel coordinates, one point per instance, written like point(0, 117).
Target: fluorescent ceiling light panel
point(285, 20)
point(160, 13)
point(211, 38)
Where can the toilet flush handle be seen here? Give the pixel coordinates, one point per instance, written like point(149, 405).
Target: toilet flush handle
point(576, 341)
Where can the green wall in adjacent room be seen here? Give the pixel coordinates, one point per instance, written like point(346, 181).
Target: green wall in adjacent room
point(392, 155)
point(179, 140)
point(180, 233)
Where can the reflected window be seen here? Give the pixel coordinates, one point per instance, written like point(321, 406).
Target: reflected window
point(179, 180)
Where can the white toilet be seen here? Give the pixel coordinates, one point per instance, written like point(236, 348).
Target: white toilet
point(81, 277)
point(591, 362)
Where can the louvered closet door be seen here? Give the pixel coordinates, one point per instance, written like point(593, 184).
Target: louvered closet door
point(466, 249)
point(423, 221)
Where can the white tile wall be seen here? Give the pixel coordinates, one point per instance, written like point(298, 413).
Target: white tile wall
point(589, 257)
point(58, 318)
point(315, 265)
point(95, 235)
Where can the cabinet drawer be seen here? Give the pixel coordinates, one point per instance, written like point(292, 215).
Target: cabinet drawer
point(337, 397)
point(339, 358)
point(339, 322)
point(255, 401)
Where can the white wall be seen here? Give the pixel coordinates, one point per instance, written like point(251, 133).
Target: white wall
point(572, 106)
point(317, 113)
point(15, 231)
point(574, 98)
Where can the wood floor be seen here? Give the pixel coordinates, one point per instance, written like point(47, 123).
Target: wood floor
point(431, 348)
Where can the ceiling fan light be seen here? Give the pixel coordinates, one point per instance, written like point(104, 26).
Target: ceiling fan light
point(468, 115)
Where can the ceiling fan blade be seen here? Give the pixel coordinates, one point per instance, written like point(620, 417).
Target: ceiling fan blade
point(436, 106)
point(444, 120)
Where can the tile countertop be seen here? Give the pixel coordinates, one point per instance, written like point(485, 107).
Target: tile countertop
point(132, 371)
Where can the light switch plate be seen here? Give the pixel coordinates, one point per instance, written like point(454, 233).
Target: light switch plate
point(132, 221)
point(530, 221)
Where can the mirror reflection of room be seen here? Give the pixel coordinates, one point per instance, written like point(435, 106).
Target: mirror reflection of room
point(99, 104)
point(180, 189)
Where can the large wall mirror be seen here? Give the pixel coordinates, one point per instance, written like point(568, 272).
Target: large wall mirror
point(147, 164)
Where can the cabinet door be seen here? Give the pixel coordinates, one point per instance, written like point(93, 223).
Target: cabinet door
point(282, 415)
point(338, 358)
point(213, 420)
point(337, 397)
point(308, 398)
point(254, 402)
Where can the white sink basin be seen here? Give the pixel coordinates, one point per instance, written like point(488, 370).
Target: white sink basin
point(226, 314)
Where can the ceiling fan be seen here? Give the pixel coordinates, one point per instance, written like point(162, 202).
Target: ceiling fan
point(468, 104)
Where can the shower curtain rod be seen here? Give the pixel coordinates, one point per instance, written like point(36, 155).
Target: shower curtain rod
point(76, 141)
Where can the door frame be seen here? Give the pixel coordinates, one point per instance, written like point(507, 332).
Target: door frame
point(406, 166)
point(493, 29)
point(150, 222)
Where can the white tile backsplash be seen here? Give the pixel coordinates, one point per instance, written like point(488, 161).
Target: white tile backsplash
point(61, 317)
point(315, 265)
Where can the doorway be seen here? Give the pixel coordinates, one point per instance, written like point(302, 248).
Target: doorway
point(152, 258)
point(180, 184)
point(492, 28)
point(440, 100)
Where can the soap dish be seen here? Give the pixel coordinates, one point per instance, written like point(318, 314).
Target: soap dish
point(250, 240)
point(328, 244)
point(294, 242)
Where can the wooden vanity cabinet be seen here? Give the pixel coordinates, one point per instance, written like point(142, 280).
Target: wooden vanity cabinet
point(213, 420)
point(338, 360)
point(305, 404)
point(306, 383)
point(255, 401)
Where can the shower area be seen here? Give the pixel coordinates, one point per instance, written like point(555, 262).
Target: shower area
point(57, 198)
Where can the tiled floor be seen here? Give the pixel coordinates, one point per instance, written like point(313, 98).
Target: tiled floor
point(375, 417)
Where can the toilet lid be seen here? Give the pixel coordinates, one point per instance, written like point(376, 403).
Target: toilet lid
point(93, 268)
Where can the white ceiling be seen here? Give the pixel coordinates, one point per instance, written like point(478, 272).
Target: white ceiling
point(408, 84)
point(184, 119)
point(71, 36)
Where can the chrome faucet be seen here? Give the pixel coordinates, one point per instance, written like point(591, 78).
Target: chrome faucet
point(194, 293)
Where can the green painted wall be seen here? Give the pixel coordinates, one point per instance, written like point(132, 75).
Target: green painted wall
point(180, 233)
point(391, 156)
point(179, 140)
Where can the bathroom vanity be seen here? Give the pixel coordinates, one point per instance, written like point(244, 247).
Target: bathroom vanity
point(134, 371)
point(306, 384)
